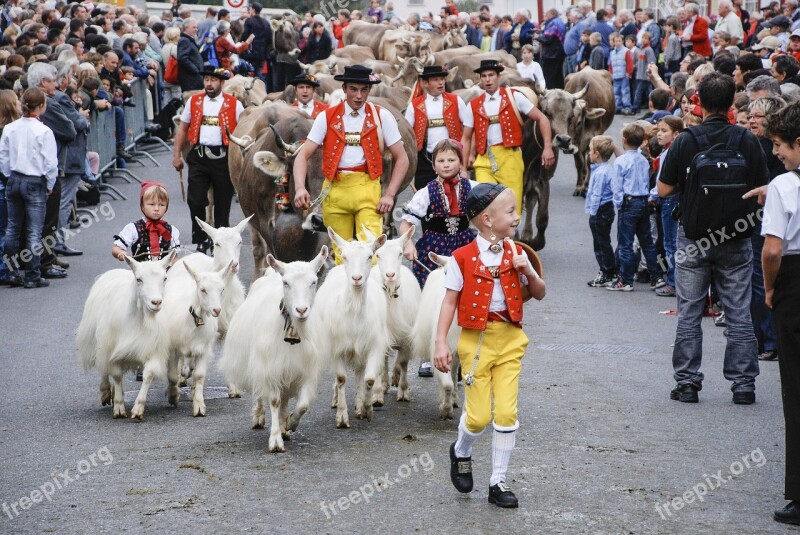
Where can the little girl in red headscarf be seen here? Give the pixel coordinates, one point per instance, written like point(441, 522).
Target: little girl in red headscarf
point(149, 238)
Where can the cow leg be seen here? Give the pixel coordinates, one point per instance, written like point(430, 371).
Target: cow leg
point(259, 250)
point(531, 198)
point(579, 165)
point(543, 214)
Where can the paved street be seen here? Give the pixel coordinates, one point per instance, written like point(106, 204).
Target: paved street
point(601, 448)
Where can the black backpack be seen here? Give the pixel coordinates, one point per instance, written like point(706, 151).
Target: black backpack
point(711, 201)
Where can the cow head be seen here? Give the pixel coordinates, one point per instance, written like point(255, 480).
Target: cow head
point(454, 39)
point(567, 113)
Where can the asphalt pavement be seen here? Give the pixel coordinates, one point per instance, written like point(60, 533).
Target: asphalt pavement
point(601, 447)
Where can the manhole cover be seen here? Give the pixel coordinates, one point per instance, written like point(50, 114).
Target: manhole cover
point(596, 348)
point(156, 392)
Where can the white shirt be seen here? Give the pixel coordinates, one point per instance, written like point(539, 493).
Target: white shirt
point(210, 135)
point(419, 203)
point(732, 24)
point(782, 212)
point(454, 280)
point(354, 156)
point(308, 108)
point(28, 147)
point(128, 237)
point(434, 107)
point(491, 105)
point(533, 72)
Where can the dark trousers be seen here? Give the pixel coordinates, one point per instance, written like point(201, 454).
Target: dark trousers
point(51, 226)
point(425, 172)
point(553, 70)
point(600, 225)
point(763, 325)
point(634, 221)
point(786, 312)
point(284, 72)
point(206, 169)
point(641, 95)
point(26, 198)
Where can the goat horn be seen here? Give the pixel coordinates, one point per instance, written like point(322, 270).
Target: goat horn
point(581, 93)
point(252, 83)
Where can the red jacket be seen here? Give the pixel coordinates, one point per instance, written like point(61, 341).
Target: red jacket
point(700, 42)
point(224, 49)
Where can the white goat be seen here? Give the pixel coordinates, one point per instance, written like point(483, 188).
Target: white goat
point(120, 331)
point(402, 297)
point(425, 335)
point(227, 248)
point(192, 304)
point(353, 310)
point(257, 356)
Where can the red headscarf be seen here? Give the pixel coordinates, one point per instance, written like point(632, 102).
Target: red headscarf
point(156, 228)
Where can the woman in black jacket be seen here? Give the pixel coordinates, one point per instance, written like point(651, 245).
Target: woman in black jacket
point(318, 44)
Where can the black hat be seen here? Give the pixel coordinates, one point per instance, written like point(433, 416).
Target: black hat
point(780, 20)
point(308, 79)
point(481, 196)
point(255, 6)
point(358, 74)
point(490, 65)
point(431, 71)
point(217, 72)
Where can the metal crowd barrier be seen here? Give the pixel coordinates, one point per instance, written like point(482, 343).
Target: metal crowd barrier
point(101, 139)
point(135, 119)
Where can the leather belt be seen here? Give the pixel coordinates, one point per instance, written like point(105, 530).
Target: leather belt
point(634, 197)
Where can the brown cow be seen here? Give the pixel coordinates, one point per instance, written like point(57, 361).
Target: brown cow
point(366, 34)
point(599, 94)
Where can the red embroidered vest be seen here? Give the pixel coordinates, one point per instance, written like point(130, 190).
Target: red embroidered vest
point(334, 142)
point(227, 117)
point(509, 125)
point(449, 113)
point(476, 295)
point(319, 107)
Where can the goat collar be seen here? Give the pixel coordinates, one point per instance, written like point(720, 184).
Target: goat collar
point(290, 334)
point(198, 320)
point(393, 294)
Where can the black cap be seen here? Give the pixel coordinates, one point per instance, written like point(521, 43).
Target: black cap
point(255, 6)
point(481, 196)
point(780, 20)
point(357, 74)
point(490, 65)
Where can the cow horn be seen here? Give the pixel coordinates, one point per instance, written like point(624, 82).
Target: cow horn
point(581, 93)
point(244, 142)
point(408, 40)
point(281, 143)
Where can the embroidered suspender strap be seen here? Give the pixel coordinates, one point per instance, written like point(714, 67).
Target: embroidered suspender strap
point(469, 379)
point(377, 116)
point(514, 107)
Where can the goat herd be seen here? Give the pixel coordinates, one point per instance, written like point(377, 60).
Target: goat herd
point(278, 339)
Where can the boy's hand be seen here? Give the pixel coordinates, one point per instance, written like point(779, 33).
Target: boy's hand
point(410, 251)
point(520, 261)
point(442, 357)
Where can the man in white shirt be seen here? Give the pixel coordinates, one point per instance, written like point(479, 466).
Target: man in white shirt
point(305, 85)
point(729, 22)
point(353, 136)
point(435, 115)
point(206, 120)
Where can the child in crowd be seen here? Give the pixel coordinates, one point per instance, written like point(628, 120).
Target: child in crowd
point(29, 161)
point(597, 56)
point(486, 37)
point(149, 238)
point(659, 104)
point(669, 127)
point(620, 63)
point(584, 49)
point(527, 68)
point(487, 281)
point(439, 208)
point(794, 45)
point(631, 186)
point(127, 75)
point(644, 58)
point(600, 207)
point(672, 50)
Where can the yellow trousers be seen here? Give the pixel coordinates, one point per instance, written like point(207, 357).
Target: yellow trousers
point(352, 202)
point(509, 170)
point(496, 375)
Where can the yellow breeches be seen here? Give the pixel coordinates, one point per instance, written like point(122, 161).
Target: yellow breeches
point(496, 374)
point(352, 202)
point(509, 170)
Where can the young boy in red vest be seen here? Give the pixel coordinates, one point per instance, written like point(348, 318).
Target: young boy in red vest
point(305, 85)
point(487, 283)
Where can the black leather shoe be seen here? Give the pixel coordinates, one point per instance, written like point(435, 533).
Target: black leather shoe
point(685, 394)
point(65, 250)
point(789, 514)
point(501, 496)
point(744, 398)
point(460, 471)
point(41, 283)
point(54, 273)
point(15, 281)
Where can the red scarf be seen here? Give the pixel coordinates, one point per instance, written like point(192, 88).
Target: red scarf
point(155, 231)
point(450, 188)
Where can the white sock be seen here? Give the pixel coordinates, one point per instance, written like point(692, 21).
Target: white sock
point(466, 439)
point(502, 446)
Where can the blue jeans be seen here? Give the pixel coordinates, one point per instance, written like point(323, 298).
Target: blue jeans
point(763, 325)
point(600, 225)
point(669, 228)
point(119, 125)
point(3, 226)
point(731, 264)
point(69, 190)
point(622, 93)
point(634, 220)
point(641, 95)
point(26, 197)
